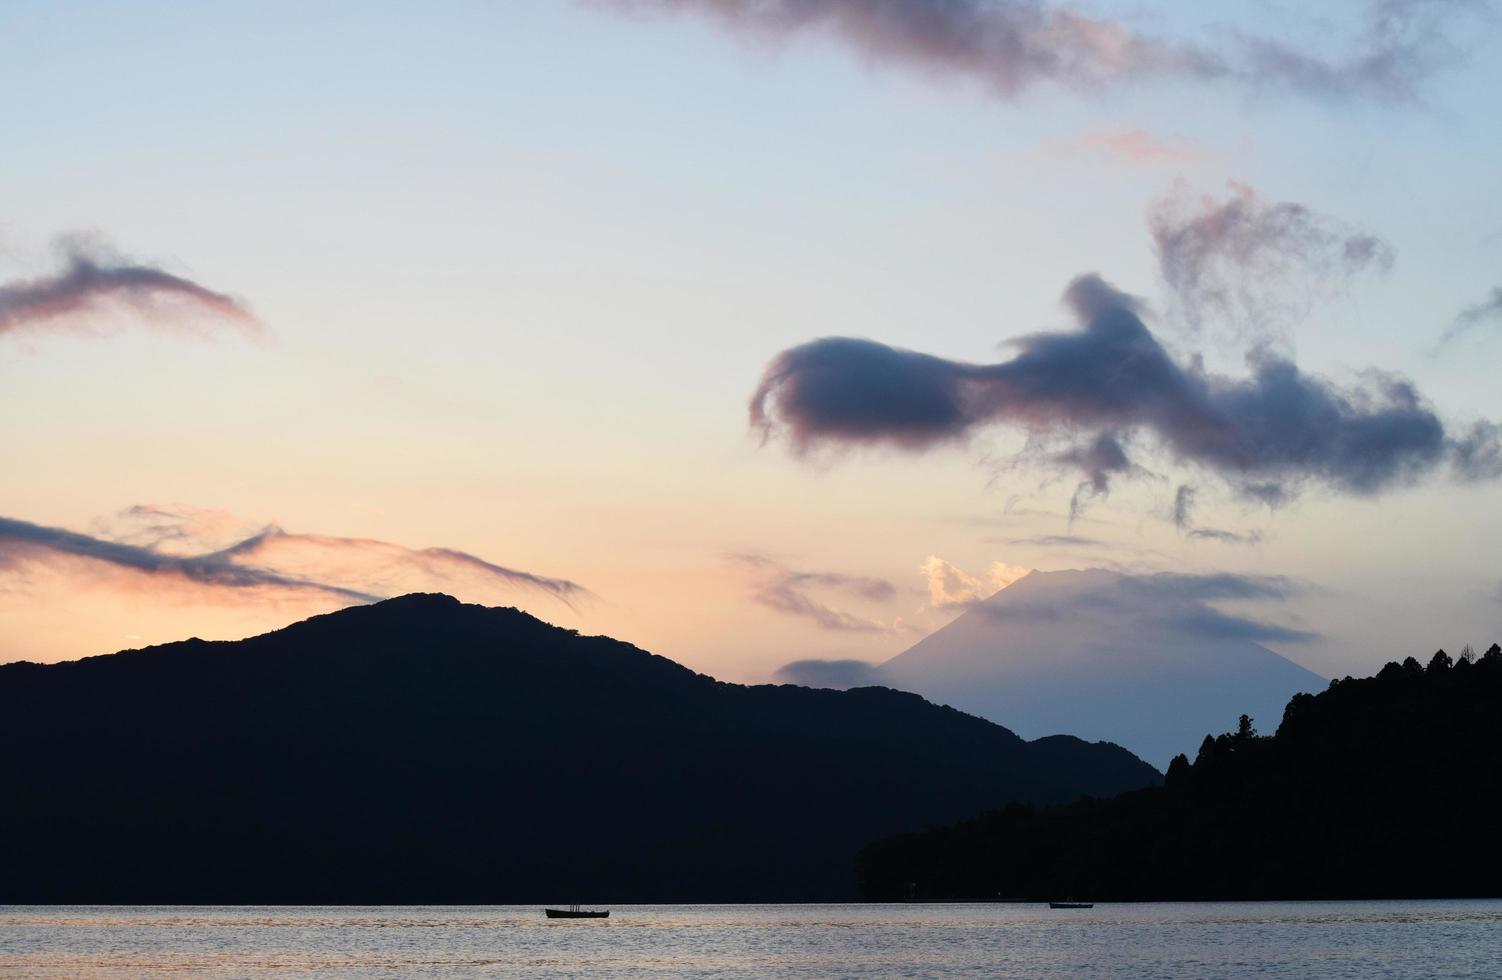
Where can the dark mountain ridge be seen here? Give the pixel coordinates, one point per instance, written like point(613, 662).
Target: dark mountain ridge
point(1383, 787)
point(422, 750)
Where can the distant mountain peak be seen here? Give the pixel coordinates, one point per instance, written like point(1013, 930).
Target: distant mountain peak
point(1147, 661)
point(1038, 580)
point(430, 600)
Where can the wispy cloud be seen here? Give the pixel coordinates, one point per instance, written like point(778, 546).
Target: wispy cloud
point(1138, 146)
point(1224, 536)
point(1253, 265)
point(1398, 45)
point(1183, 519)
point(94, 289)
point(1012, 45)
point(1206, 586)
point(1060, 541)
point(1099, 460)
point(167, 547)
point(788, 591)
point(1486, 312)
point(1267, 434)
point(22, 543)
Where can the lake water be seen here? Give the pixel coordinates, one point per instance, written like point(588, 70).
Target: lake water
point(1295, 940)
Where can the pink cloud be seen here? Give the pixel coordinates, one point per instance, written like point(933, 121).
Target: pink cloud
point(1140, 146)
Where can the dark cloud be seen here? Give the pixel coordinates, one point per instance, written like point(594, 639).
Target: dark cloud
point(1267, 434)
point(1215, 585)
point(1213, 623)
point(1011, 45)
point(1478, 453)
point(1008, 46)
point(22, 542)
point(1099, 460)
point(1489, 310)
point(1183, 507)
point(1224, 536)
point(92, 284)
point(1251, 264)
point(786, 590)
point(838, 674)
point(1179, 602)
point(352, 570)
point(1060, 541)
point(846, 390)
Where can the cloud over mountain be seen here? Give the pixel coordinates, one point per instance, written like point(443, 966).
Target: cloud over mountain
point(1176, 602)
point(23, 543)
point(170, 549)
point(839, 675)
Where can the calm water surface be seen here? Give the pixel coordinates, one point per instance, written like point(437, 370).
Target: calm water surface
point(1295, 940)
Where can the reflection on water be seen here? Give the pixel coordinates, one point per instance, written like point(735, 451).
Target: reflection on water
point(1294, 940)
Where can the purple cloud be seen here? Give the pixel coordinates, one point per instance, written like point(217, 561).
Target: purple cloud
point(786, 590)
point(1012, 45)
point(1268, 434)
point(1252, 263)
point(166, 547)
point(92, 285)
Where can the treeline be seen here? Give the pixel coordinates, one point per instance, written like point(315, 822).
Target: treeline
point(1387, 786)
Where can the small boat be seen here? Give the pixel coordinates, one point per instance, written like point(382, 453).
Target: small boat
point(1071, 905)
point(575, 912)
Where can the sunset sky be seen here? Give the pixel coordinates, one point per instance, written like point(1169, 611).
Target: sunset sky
point(475, 297)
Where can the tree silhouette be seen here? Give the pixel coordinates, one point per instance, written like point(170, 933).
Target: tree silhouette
point(1349, 799)
point(1207, 749)
point(1178, 771)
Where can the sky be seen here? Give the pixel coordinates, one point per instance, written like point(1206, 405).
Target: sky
point(747, 331)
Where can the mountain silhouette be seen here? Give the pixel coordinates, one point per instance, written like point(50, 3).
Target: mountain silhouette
point(1384, 787)
point(423, 750)
point(1143, 661)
